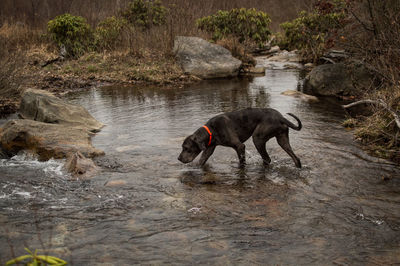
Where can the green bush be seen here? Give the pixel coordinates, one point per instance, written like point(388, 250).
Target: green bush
point(244, 24)
point(109, 32)
point(313, 32)
point(145, 13)
point(71, 31)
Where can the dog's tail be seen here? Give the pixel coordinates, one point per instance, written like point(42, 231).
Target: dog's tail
point(291, 125)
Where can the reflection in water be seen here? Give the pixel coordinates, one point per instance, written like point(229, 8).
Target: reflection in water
point(147, 207)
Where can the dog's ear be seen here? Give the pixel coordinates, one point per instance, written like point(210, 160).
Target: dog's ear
point(200, 141)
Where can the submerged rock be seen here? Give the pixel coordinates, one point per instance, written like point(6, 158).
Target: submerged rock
point(116, 183)
point(43, 106)
point(203, 59)
point(46, 140)
point(80, 166)
point(300, 95)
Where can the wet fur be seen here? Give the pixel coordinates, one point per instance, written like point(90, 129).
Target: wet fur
point(234, 128)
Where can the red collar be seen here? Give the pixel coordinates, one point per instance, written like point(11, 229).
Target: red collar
point(209, 132)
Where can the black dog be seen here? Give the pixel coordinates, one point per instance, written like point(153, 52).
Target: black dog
point(233, 128)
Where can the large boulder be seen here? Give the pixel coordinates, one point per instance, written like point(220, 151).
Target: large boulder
point(205, 60)
point(42, 106)
point(337, 80)
point(46, 140)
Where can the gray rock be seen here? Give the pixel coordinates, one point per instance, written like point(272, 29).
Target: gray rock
point(80, 166)
point(43, 106)
point(205, 60)
point(300, 95)
point(274, 50)
point(254, 71)
point(285, 56)
point(46, 140)
point(337, 80)
point(309, 65)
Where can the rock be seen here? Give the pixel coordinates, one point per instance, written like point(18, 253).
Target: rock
point(254, 71)
point(292, 66)
point(46, 140)
point(274, 50)
point(337, 80)
point(300, 95)
point(80, 166)
point(43, 106)
point(116, 183)
point(309, 66)
point(336, 55)
point(257, 70)
point(205, 60)
point(285, 56)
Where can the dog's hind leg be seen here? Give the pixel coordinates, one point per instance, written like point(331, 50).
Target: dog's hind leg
point(283, 141)
point(206, 154)
point(260, 137)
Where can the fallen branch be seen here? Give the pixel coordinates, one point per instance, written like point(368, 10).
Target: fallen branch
point(51, 61)
point(378, 103)
point(328, 60)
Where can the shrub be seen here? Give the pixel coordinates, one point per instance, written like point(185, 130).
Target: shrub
point(244, 24)
point(313, 32)
point(145, 14)
point(71, 31)
point(109, 32)
point(238, 51)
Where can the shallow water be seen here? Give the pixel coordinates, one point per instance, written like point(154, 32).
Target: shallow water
point(342, 207)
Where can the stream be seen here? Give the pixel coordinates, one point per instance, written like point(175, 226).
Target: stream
point(146, 207)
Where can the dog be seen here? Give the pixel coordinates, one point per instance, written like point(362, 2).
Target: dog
point(232, 129)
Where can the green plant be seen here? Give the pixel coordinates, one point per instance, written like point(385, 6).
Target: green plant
point(71, 31)
point(92, 69)
point(313, 32)
point(145, 13)
point(244, 24)
point(35, 259)
point(108, 33)
point(238, 51)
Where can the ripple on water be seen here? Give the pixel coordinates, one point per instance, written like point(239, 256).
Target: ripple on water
point(146, 207)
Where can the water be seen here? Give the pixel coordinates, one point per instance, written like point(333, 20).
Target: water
point(342, 207)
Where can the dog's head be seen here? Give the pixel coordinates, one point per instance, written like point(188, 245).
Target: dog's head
point(191, 147)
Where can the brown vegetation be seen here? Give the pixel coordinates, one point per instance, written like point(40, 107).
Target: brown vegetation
point(138, 54)
point(36, 13)
point(372, 36)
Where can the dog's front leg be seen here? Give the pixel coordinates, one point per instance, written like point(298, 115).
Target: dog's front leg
point(240, 150)
point(206, 154)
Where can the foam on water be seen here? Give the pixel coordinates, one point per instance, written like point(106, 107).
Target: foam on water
point(29, 161)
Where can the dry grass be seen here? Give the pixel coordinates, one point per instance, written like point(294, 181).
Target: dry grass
point(373, 37)
point(120, 67)
point(19, 37)
point(37, 13)
point(379, 132)
point(19, 50)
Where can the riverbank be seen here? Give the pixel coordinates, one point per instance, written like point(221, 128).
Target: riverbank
point(34, 70)
point(148, 205)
